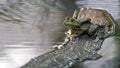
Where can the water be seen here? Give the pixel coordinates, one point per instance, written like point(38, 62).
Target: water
point(29, 29)
point(19, 46)
point(26, 31)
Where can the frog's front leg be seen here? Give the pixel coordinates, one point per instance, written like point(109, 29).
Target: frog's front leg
point(62, 45)
point(66, 41)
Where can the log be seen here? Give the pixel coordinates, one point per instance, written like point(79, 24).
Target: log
point(76, 51)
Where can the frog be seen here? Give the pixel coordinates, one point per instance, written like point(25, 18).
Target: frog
point(88, 21)
point(75, 29)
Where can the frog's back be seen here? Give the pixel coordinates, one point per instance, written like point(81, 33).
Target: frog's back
point(97, 16)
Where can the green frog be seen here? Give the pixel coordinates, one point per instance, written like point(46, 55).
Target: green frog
point(87, 21)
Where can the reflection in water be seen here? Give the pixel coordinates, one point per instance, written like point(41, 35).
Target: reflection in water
point(29, 28)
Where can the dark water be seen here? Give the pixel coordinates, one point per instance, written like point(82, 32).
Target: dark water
point(30, 29)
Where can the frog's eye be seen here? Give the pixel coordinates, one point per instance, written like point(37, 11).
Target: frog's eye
point(71, 19)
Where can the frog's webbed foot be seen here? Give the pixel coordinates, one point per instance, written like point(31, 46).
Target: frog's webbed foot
point(58, 46)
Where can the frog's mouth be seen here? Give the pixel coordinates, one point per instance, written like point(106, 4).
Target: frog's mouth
point(74, 27)
point(70, 22)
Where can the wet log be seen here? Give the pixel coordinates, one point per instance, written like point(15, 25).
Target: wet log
point(78, 50)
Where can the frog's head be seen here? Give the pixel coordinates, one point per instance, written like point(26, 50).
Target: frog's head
point(70, 22)
point(75, 25)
